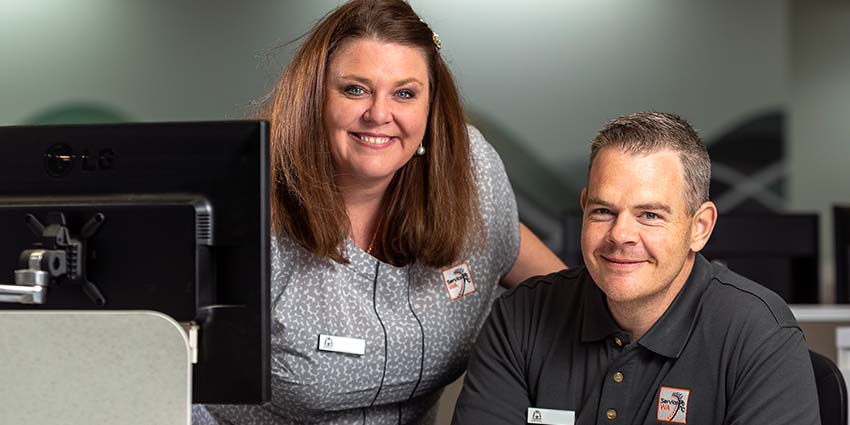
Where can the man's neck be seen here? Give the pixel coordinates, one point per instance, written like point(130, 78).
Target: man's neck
point(638, 316)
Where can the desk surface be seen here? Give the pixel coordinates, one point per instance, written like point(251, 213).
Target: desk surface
point(70, 368)
point(821, 312)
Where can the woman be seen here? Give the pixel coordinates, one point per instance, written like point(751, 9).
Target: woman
point(394, 221)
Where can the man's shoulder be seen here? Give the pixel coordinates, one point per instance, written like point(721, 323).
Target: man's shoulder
point(746, 297)
point(564, 283)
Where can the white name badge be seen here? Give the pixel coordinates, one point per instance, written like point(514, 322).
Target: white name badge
point(551, 417)
point(341, 344)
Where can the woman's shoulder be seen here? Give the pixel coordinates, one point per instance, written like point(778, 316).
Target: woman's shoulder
point(282, 247)
point(289, 258)
point(480, 148)
point(485, 159)
point(497, 204)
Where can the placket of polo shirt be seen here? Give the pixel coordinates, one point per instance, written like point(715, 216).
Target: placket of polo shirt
point(617, 389)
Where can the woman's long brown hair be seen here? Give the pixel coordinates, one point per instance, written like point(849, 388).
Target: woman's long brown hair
point(429, 212)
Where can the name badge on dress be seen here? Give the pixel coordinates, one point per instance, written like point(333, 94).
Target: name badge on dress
point(341, 344)
point(551, 416)
point(458, 281)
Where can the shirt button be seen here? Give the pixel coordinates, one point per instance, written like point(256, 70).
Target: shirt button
point(618, 341)
point(618, 377)
point(611, 414)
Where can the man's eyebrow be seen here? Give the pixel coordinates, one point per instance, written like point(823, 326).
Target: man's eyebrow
point(597, 201)
point(655, 207)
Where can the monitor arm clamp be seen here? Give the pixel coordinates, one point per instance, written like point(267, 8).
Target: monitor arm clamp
point(60, 258)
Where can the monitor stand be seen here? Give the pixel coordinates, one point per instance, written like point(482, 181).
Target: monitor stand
point(94, 367)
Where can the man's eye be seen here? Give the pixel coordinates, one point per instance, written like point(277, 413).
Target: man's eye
point(354, 91)
point(651, 216)
point(601, 211)
point(405, 94)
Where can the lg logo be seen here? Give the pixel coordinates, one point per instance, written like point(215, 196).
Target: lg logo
point(60, 159)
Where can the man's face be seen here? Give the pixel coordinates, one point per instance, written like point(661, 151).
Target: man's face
point(636, 235)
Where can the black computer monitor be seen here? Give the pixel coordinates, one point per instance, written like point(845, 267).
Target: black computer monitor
point(779, 251)
point(841, 235)
point(171, 217)
point(571, 238)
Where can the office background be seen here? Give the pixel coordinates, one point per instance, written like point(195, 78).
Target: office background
point(766, 82)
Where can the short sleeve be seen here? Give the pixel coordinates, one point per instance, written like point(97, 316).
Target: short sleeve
point(777, 374)
point(496, 201)
point(494, 389)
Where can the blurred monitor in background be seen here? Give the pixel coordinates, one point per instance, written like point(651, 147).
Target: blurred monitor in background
point(841, 231)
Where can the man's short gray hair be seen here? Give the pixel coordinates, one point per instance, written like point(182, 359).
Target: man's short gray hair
point(644, 133)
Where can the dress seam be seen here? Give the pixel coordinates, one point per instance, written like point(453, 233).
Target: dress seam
point(422, 333)
point(384, 328)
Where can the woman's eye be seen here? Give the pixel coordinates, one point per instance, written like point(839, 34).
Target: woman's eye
point(406, 94)
point(354, 91)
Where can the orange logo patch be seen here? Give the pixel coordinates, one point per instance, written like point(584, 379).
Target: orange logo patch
point(458, 281)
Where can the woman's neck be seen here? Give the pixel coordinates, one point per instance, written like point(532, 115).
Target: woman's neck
point(363, 204)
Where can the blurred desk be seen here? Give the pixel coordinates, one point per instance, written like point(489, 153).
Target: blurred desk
point(84, 367)
point(827, 329)
point(820, 323)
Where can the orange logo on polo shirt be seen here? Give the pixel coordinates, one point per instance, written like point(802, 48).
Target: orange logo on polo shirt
point(673, 405)
point(458, 281)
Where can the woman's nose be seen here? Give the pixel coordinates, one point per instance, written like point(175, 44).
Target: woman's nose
point(379, 111)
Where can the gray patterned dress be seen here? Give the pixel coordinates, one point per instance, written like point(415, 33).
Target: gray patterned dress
point(418, 323)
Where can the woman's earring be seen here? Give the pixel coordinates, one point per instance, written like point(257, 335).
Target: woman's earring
point(420, 150)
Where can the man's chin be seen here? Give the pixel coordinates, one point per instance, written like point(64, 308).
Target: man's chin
point(619, 286)
point(607, 271)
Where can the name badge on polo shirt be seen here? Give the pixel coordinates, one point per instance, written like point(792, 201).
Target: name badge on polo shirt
point(551, 416)
point(341, 344)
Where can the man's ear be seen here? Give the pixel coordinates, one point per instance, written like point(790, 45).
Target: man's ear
point(702, 224)
point(583, 198)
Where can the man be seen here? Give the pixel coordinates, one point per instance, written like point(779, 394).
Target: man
point(650, 331)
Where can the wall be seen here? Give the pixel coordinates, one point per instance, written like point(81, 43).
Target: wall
point(542, 74)
point(819, 130)
point(539, 77)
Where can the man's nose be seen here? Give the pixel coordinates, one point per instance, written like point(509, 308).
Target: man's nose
point(623, 231)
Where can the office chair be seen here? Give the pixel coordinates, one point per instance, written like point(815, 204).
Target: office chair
point(832, 392)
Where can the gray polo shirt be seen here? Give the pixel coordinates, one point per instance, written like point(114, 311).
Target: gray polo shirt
point(726, 351)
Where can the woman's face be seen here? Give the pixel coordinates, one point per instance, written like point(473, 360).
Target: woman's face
point(376, 109)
